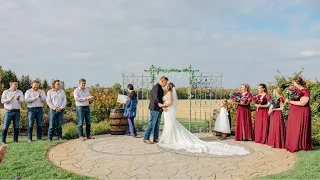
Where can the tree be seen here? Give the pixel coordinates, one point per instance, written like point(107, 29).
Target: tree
point(1, 85)
point(8, 76)
point(116, 88)
point(24, 83)
point(62, 85)
point(45, 85)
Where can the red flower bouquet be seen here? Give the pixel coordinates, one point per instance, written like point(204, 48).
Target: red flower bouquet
point(244, 100)
point(257, 99)
point(293, 93)
point(235, 97)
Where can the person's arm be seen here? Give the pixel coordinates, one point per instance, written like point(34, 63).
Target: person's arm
point(4, 99)
point(49, 101)
point(64, 100)
point(262, 106)
point(303, 101)
point(156, 94)
point(169, 96)
point(28, 97)
point(77, 97)
point(21, 97)
point(281, 107)
point(128, 103)
point(3, 150)
point(43, 96)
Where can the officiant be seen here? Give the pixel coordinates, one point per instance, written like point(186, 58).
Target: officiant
point(130, 111)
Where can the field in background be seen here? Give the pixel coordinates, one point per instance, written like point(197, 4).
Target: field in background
point(183, 111)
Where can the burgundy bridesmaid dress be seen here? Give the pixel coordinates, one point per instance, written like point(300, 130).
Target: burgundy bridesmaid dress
point(276, 127)
point(298, 133)
point(261, 122)
point(244, 122)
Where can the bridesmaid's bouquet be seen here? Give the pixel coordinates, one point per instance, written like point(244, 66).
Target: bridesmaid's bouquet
point(257, 99)
point(293, 93)
point(273, 102)
point(244, 100)
point(235, 97)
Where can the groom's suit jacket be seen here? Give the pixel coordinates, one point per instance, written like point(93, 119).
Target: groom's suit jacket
point(156, 97)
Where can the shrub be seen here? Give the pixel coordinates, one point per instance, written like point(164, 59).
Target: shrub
point(69, 131)
point(140, 127)
point(316, 132)
point(100, 128)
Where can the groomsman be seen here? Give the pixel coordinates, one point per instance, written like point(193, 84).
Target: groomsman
point(83, 97)
point(35, 98)
point(12, 100)
point(56, 100)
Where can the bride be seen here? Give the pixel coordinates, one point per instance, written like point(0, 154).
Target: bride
point(176, 136)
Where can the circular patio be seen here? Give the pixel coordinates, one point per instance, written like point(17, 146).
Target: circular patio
point(124, 157)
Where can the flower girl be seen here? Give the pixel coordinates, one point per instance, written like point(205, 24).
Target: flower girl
point(222, 123)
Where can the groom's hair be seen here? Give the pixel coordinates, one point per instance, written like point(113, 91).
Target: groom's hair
point(164, 78)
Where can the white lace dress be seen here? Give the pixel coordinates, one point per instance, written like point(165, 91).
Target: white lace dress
point(175, 136)
point(222, 122)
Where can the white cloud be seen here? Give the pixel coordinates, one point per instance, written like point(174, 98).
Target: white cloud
point(309, 53)
point(101, 39)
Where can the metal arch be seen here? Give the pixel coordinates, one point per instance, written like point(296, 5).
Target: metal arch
point(202, 103)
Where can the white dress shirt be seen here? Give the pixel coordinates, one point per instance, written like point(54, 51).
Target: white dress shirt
point(10, 104)
point(80, 96)
point(32, 100)
point(56, 99)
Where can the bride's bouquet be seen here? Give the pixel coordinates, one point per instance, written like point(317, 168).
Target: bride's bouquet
point(293, 93)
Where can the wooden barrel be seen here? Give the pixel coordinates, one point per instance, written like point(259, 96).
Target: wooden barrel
point(118, 123)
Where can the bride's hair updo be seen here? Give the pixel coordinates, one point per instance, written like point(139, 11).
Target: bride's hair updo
point(170, 86)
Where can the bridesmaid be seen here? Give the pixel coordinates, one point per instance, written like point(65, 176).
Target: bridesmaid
point(261, 118)
point(298, 134)
point(276, 126)
point(243, 120)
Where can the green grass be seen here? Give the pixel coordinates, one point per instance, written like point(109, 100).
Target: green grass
point(30, 161)
point(307, 167)
point(183, 121)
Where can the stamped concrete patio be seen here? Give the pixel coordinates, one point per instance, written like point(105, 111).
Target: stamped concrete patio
point(124, 157)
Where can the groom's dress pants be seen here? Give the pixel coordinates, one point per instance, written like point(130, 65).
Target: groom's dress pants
point(153, 124)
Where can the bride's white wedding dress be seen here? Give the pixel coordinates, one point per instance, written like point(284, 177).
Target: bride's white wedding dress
point(176, 136)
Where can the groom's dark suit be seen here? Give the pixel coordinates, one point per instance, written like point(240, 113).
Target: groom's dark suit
point(156, 97)
point(155, 112)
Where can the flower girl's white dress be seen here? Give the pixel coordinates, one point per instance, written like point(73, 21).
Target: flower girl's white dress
point(222, 123)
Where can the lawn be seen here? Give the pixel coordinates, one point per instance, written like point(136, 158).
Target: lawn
point(30, 162)
point(308, 167)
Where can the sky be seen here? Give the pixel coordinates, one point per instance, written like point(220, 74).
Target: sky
point(246, 41)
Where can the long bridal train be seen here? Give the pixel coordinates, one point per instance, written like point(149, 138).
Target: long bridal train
point(175, 136)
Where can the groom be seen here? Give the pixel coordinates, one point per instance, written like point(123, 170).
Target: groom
point(155, 111)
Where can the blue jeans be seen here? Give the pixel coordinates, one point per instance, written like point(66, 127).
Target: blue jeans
point(15, 117)
point(130, 127)
point(153, 124)
point(83, 113)
point(35, 114)
point(55, 117)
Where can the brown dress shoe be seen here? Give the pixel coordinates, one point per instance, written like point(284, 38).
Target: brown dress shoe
point(148, 142)
point(90, 137)
point(156, 140)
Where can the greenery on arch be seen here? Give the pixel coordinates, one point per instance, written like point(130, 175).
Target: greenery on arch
point(154, 71)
